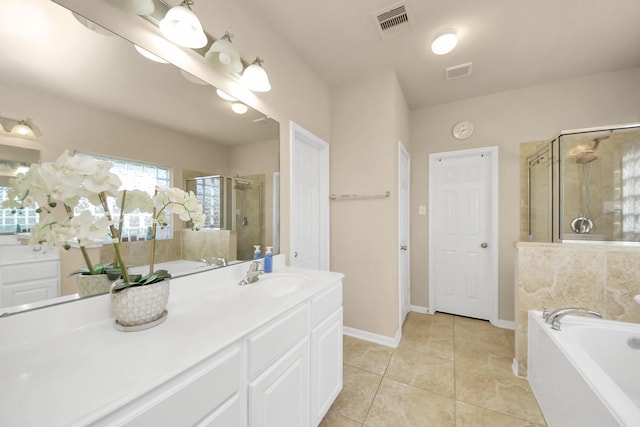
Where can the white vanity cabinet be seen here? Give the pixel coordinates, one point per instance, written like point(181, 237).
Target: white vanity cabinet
point(279, 372)
point(223, 358)
point(326, 351)
point(209, 394)
point(28, 279)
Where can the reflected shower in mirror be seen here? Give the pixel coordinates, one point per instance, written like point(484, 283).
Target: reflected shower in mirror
point(90, 91)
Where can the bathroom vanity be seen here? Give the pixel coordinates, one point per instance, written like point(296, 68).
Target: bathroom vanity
point(264, 354)
point(28, 274)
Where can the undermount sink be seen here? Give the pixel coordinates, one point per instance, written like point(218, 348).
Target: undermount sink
point(276, 285)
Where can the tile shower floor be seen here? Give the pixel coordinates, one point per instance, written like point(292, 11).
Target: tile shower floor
point(447, 371)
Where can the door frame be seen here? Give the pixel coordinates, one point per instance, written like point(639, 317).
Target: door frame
point(402, 151)
point(299, 135)
point(494, 253)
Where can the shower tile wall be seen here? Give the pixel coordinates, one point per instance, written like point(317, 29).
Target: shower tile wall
point(208, 243)
point(601, 277)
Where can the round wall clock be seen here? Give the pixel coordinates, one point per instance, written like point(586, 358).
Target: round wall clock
point(463, 130)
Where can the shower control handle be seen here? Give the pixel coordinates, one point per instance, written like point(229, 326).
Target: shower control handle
point(484, 245)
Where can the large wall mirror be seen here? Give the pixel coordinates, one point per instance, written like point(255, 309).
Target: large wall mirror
point(90, 90)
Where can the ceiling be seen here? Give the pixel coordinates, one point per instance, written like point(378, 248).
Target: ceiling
point(511, 43)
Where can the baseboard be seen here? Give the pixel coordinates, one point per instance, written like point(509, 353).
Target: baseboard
point(505, 324)
point(419, 309)
point(375, 338)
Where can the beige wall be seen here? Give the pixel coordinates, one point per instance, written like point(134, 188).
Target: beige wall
point(369, 118)
point(506, 120)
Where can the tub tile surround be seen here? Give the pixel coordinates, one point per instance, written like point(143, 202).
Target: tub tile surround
point(601, 277)
point(463, 380)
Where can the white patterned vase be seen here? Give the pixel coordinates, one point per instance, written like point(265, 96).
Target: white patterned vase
point(93, 284)
point(140, 307)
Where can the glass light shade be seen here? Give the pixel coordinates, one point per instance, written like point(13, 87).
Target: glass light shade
point(182, 26)
point(239, 108)
point(22, 129)
point(224, 95)
point(255, 78)
point(149, 55)
point(224, 56)
point(444, 43)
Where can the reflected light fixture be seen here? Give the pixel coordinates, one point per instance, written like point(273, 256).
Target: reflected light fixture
point(255, 77)
point(444, 43)
point(182, 26)
point(224, 56)
point(149, 55)
point(239, 108)
point(224, 95)
point(19, 128)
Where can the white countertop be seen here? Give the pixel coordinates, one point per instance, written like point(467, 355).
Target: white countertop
point(88, 368)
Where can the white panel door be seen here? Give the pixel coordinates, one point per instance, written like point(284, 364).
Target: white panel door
point(462, 243)
point(310, 200)
point(404, 282)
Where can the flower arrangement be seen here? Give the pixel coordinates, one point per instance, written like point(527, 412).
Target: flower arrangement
point(70, 180)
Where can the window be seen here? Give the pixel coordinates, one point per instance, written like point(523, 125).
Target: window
point(17, 221)
point(134, 176)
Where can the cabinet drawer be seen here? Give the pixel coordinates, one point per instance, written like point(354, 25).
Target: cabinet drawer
point(325, 304)
point(187, 399)
point(29, 271)
point(274, 340)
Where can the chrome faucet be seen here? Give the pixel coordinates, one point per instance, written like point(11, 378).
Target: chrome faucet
point(206, 263)
point(252, 274)
point(554, 317)
point(219, 261)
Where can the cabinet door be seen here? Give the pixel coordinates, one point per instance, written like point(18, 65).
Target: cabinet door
point(279, 397)
point(326, 365)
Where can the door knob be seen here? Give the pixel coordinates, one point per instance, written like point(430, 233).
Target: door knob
point(484, 245)
point(403, 247)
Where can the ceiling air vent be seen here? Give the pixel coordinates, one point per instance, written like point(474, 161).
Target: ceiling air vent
point(458, 71)
point(392, 20)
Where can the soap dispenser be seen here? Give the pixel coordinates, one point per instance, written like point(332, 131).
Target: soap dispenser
point(256, 253)
point(268, 260)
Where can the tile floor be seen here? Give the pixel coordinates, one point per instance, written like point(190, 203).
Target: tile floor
point(447, 371)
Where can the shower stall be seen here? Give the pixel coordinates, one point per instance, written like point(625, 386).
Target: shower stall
point(234, 204)
point(585, 185)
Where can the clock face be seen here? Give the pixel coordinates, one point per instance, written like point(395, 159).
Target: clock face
point(463, 130)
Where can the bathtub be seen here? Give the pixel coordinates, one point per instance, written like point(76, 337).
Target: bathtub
point(587, 374)
point(178, 268)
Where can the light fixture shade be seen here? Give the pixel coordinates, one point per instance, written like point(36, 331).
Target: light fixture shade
point(239, 108)
point(255, 77)
point(23, 130)
point(182, 26)
point(444, 43)
point(224, 56)
point(224, 95)
point(149, 55)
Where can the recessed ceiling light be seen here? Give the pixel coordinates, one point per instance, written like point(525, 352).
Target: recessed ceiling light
point(444, 43)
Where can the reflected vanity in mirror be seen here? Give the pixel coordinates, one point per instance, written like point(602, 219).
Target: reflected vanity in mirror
point(90, 91)
point(584, 185)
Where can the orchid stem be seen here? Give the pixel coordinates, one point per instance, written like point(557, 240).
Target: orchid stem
point(153, 238)
point(85, 254)
point(115, 235)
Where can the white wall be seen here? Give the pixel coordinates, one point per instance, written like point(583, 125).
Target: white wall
point(506, 120)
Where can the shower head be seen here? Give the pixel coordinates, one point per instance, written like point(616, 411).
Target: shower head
point(588, 155)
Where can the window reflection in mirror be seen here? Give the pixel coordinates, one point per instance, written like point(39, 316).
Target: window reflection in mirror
point(14, 160)
point(92, 92)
